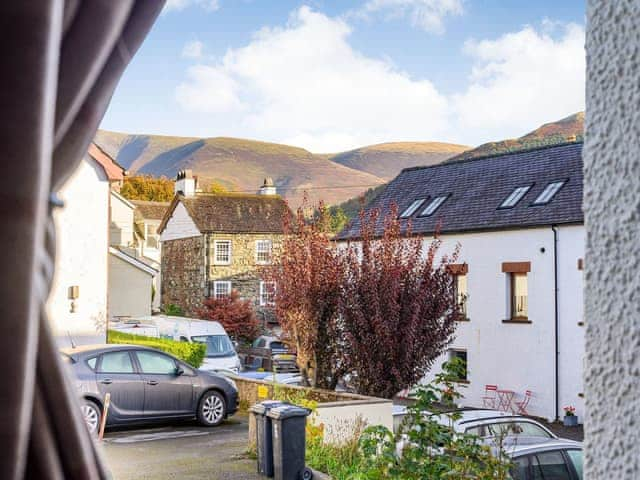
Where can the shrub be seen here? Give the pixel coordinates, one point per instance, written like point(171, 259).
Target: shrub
point(234, 314)
point(191, 353)
point(173, 310)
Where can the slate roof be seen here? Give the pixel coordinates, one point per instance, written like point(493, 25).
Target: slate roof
point(232, 213)
point(477, 187)
point(150, 210)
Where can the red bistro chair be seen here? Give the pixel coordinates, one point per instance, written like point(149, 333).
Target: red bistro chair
point(522, 406)
point(490, 396)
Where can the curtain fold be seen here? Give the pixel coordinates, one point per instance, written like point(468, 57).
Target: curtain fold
point(62, 61)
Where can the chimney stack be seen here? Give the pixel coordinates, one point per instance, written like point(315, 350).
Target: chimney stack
point(268, 187)
point(185, 183)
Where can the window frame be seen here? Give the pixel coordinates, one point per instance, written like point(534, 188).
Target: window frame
point(441, 198)
point(215, 260)
point(462, 305)
point(451, 353)
point(528, 188)
point(537, 203)
point(262, 293)
point(221, 282)
point(513, 297)
point(413, 207)
point(269, 251)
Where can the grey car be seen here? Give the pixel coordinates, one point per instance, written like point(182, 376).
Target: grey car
point(555, 459)
point(147, 385)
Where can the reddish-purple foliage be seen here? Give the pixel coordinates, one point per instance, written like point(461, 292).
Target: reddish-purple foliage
point(308, 275)
point(236, 316)
point(398, 306)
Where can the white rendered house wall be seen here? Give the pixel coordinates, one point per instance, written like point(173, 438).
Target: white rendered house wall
point(82, 239)
point(520, 356)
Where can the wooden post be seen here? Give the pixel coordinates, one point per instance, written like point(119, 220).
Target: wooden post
point(103, 420)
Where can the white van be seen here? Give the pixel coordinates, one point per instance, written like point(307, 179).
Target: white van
point(221, 354)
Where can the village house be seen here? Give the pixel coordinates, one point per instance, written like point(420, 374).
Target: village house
point(77, 305)
point(518, 220)
point(215, 243)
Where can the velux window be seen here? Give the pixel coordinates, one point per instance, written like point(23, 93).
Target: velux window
point(433, 206)
point(222, 252)
point(549, 192)
point(515, 196)
point(411, 209)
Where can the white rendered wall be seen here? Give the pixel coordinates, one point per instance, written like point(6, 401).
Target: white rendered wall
point(612, 219)
point(129, 289)
point(121, 222)
point(82, 236)
point(180, 225)
point(520, 357)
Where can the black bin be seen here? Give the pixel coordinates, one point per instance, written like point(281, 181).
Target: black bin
point(288, 430)
point(264, 443)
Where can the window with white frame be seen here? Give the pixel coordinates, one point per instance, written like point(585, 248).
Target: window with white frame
point(263, 252)
point(222, 252)
point(267, 293)
point(221, 289)
point(151, 236)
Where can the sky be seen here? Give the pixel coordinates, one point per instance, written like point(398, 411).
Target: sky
point(334, 75)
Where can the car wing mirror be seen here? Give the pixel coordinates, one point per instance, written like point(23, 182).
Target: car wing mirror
point(179, 371)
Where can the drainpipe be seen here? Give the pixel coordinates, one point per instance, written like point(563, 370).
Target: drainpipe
point(207, 266)
point(556, 319)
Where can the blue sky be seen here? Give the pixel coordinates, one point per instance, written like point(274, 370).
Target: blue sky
point(332, 75)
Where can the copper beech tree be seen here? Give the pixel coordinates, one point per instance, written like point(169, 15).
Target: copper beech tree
point(398, 306)
point(308, 275)
point(234, 314)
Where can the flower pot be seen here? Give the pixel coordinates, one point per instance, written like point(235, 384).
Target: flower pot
point(570, 420)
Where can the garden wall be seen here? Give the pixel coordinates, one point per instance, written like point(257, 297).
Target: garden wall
point(341, 414)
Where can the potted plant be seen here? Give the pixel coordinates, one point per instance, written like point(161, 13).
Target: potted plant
point(570, 418)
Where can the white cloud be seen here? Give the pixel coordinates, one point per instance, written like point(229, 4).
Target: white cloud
point(426, 14)
point(305, 85)
point(193, 49)
point(522, 80)
point(177, 5)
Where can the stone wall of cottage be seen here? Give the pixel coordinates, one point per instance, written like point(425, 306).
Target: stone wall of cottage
point(183, 273)
point(244, 271)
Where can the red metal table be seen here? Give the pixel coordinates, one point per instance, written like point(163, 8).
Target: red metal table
point(505, 399)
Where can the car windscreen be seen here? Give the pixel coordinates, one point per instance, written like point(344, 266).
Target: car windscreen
point(278, 346)
point(217, 345)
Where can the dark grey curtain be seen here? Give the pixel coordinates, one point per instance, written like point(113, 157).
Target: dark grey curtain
point(61, 60)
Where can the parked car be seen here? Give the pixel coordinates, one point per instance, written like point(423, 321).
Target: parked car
point(147, 385)
point(487, 423)
point(554, 459)
point(221, 353)
point(292, 379)
point(270, 354)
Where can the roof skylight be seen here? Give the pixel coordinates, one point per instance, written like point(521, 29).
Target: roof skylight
point(411, 209)
point(515, 197)
point(549, 192)
point(433, 206)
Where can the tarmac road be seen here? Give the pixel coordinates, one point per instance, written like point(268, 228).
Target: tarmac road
point(181, 451)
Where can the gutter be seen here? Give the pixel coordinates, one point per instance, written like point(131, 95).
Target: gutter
point(554, 228)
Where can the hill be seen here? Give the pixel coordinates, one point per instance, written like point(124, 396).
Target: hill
point(241, 165)
point(385, 160)
point(568, 129)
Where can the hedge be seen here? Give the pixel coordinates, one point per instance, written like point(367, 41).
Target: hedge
point(192, 353)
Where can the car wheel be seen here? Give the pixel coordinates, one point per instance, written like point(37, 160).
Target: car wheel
point(91, 413)
point(212, 409)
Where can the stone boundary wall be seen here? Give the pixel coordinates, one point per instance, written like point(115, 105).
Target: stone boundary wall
point(342, 414)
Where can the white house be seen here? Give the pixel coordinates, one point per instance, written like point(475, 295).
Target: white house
point(519, 223)
point(77, 305)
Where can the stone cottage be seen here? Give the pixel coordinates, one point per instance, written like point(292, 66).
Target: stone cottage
point(215, 243)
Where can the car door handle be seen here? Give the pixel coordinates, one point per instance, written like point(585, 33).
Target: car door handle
point(106, 381)
point(152, 382)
